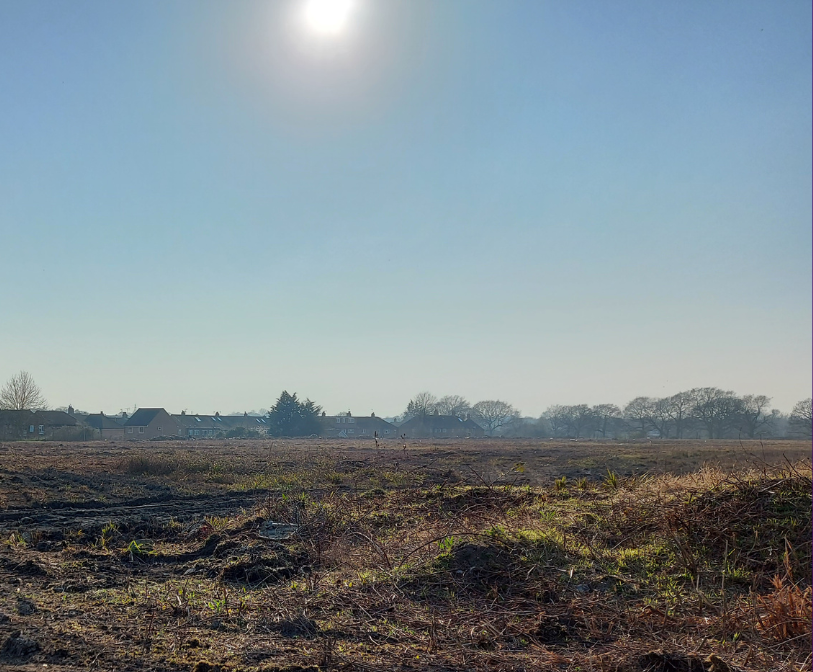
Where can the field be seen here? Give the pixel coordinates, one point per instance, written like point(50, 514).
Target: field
point(450, 555)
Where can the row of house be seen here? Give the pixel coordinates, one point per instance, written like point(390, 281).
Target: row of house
point(40, 425)
point(427, 426)
point(152, 423)
point(149, 423)
point(145, 423)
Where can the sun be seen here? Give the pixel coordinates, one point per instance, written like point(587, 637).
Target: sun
point(327, 16)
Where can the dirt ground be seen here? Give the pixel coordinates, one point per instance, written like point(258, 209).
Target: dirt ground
point(34, 474)
point(449, 555)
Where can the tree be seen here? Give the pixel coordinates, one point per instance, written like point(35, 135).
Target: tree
point(801, 418)
point(777, 424)
point(521, 427)
point(605, 415)
point(557, 418)
point(580, 420)
point(493, 414)
point(679, 409)
point(421, 405)
point(754, 413)
point(452, 404)
point(21, 393)
point(639, 413)
point(291, 417)
point(660, 416)
point(541, 428)
point(716, 409)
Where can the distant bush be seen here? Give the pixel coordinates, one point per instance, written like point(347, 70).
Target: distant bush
point(177, 464)
point(73, 434)
point(151, 465)
point(242, 433)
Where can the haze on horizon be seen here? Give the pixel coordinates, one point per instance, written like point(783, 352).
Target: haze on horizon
point(203, 204)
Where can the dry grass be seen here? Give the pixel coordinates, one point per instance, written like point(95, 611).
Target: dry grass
point(785, 614)
point(658, 572)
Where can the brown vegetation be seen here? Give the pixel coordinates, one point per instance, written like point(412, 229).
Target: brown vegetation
point(434, 557)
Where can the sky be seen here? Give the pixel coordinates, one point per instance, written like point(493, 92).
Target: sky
point(204, 203)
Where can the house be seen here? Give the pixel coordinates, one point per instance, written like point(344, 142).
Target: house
point(253, 424)
point(440, 427)
point(107, 426)
point(16, 424)
point(199, 426)
point(36, 425)
point(55, 425)
point(149, 423)
point(196, 425)
point(348, 426)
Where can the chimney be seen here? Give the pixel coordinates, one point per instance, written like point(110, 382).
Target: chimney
point(217, 414)
point(183, 412)
point(70, 409)
point(372, 415)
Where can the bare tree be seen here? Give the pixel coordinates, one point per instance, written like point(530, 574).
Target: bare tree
point(520, 427)
point(639, 413)
point(557, 418)
point(660, 416)
point(605, 415)
point(716, 409)
point(801, 418)
point(453, 404)
point(754, 413)
point(421, 405)
point(581, 420)
point(679, 409)
point(21, 393)
point(777, 424)
point(493, 414)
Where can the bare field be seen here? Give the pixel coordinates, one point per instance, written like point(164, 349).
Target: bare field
point(37, 473)
point(451, 555)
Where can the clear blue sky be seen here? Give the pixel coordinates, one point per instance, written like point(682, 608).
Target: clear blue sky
point(203, 203)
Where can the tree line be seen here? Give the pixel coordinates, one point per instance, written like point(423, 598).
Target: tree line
point(702, 412)
point(492, 414)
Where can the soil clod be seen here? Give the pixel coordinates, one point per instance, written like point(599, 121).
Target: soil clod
point(26, 607)
point(256, 571)
point(17, 647)
point(298, 627)
point(29, 568)
point(662, 661)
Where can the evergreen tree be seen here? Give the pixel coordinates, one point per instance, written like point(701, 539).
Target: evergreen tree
point(291, 417)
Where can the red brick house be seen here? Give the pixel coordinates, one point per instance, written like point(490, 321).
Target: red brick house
point(199, 426)
point(347, 426)
point(149, 423)
point(37, 425)
point(108, 427)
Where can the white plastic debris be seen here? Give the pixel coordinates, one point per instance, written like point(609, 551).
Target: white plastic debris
point(277, 531)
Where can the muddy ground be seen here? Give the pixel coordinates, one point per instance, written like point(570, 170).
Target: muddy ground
point(451, 555)
point(134, 473)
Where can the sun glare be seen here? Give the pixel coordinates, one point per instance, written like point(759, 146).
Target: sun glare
point(328, 16)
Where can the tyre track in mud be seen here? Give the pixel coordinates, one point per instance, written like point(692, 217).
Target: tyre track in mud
point(92, 515)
